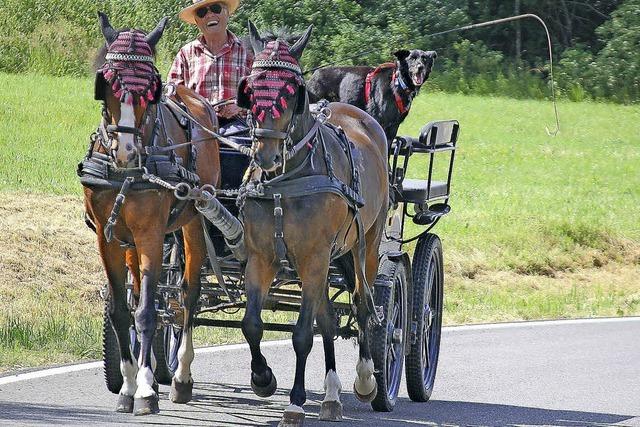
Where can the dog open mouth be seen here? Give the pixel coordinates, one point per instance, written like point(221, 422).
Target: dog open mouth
point(419, 77)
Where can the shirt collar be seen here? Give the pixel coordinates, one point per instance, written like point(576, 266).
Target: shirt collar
point(232, 39)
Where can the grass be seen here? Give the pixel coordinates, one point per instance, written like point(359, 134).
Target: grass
point(541, 227)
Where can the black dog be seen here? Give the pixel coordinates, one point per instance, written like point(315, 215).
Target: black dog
point(385, 92)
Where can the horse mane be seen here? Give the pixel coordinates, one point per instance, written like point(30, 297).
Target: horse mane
point(102, 52)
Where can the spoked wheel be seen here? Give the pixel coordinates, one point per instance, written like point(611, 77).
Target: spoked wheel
point(387, 339)
point(426, 317)
point(172, 276)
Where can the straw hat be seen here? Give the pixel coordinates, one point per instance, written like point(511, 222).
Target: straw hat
point(188, 14)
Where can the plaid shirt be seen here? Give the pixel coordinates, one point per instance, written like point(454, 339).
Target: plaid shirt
point(215, 77)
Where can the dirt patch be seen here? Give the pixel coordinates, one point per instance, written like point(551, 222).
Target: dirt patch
point(46, 251)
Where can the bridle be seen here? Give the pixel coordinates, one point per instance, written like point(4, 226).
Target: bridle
point(140, 84)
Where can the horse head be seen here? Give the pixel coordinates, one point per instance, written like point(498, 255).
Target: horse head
point(276, 96)
point(128, 83)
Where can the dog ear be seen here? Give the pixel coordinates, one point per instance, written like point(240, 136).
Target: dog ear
point(243, 97)
point(402, 54)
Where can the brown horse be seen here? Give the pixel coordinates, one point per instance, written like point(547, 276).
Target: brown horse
point(132, 151)
point(322, 197)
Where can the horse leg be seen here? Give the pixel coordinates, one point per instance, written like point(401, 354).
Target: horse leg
point(258, 278)
point(331, 408)
point(149, 248)
point(182, 383)
point(314, 288)
point(365, 387)
point(113, 258)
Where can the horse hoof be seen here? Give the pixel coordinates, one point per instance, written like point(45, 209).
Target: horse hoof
point(366, 398)
point(269, 389)
point(181, 392)
point(125, 404)
point(292, 419)
point(146, 405)
point(330, 411)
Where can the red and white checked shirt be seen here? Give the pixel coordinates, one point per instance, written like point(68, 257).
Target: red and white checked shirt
point(215, 77)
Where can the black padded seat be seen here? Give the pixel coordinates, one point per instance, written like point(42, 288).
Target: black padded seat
point(415, 190)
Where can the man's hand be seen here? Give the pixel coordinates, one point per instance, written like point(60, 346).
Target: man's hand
point(230, 111)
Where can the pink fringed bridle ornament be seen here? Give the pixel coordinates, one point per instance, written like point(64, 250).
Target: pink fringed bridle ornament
point(276, 76)
point(129, 69)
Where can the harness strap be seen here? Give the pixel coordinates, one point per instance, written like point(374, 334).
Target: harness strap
point(402, 108)
point(281, 246)
point(395, 80)
point(269, 133)
point(123, 129)
point(117, 206)
point(371, 75)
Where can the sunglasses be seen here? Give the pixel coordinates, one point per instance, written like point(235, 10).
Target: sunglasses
point(214, 8)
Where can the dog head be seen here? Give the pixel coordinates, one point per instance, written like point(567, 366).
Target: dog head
point(415, 65)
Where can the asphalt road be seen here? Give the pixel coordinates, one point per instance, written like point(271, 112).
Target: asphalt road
point(572, 373)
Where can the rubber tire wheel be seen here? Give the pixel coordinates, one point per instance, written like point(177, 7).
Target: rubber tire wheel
point(428, 280)
point(382, 335)
point(171, 340)
point(162, 373)
point(110, 353)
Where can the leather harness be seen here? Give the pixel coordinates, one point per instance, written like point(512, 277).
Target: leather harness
point(297, 183)
point(397, 83)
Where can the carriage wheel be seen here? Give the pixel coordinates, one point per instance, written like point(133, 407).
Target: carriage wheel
point(162, 373)
point(387, 339)
point(426, 318)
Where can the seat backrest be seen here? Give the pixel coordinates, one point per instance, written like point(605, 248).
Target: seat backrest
point(439, 133)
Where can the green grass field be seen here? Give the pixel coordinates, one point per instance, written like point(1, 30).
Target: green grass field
point(541, 227)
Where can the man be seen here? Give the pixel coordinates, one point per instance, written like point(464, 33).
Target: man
point(213, 64)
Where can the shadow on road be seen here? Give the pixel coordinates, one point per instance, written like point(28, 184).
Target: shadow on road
point(235, 405)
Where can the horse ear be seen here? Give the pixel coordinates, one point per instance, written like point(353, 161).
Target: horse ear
point(154, 36)
point(108, 32)
point(242, 97)
point(401, 54)
point(296, 49)
point(254, 38)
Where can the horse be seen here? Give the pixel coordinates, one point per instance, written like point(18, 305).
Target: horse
point(329, 178)
point(139, 153)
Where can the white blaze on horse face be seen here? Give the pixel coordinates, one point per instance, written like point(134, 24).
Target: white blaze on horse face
point(126, 150)
point(129, 371)
point(185, 358)
point(365, 382)
point(332, 387)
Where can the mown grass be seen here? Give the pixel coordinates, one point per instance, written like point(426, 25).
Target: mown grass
point(541, 227)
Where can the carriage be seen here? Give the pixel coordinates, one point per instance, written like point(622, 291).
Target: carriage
point(408, 293)
point(329, 167)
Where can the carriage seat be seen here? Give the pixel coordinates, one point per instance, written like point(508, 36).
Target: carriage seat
point(416, 191)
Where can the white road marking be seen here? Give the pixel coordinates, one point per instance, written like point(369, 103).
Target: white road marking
point(13, 378)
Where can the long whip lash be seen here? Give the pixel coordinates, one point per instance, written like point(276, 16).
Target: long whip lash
point(486, 24)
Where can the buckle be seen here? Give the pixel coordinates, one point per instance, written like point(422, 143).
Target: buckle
point(277, 211)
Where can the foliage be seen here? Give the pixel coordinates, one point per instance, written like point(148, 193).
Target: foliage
point(591, 39)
